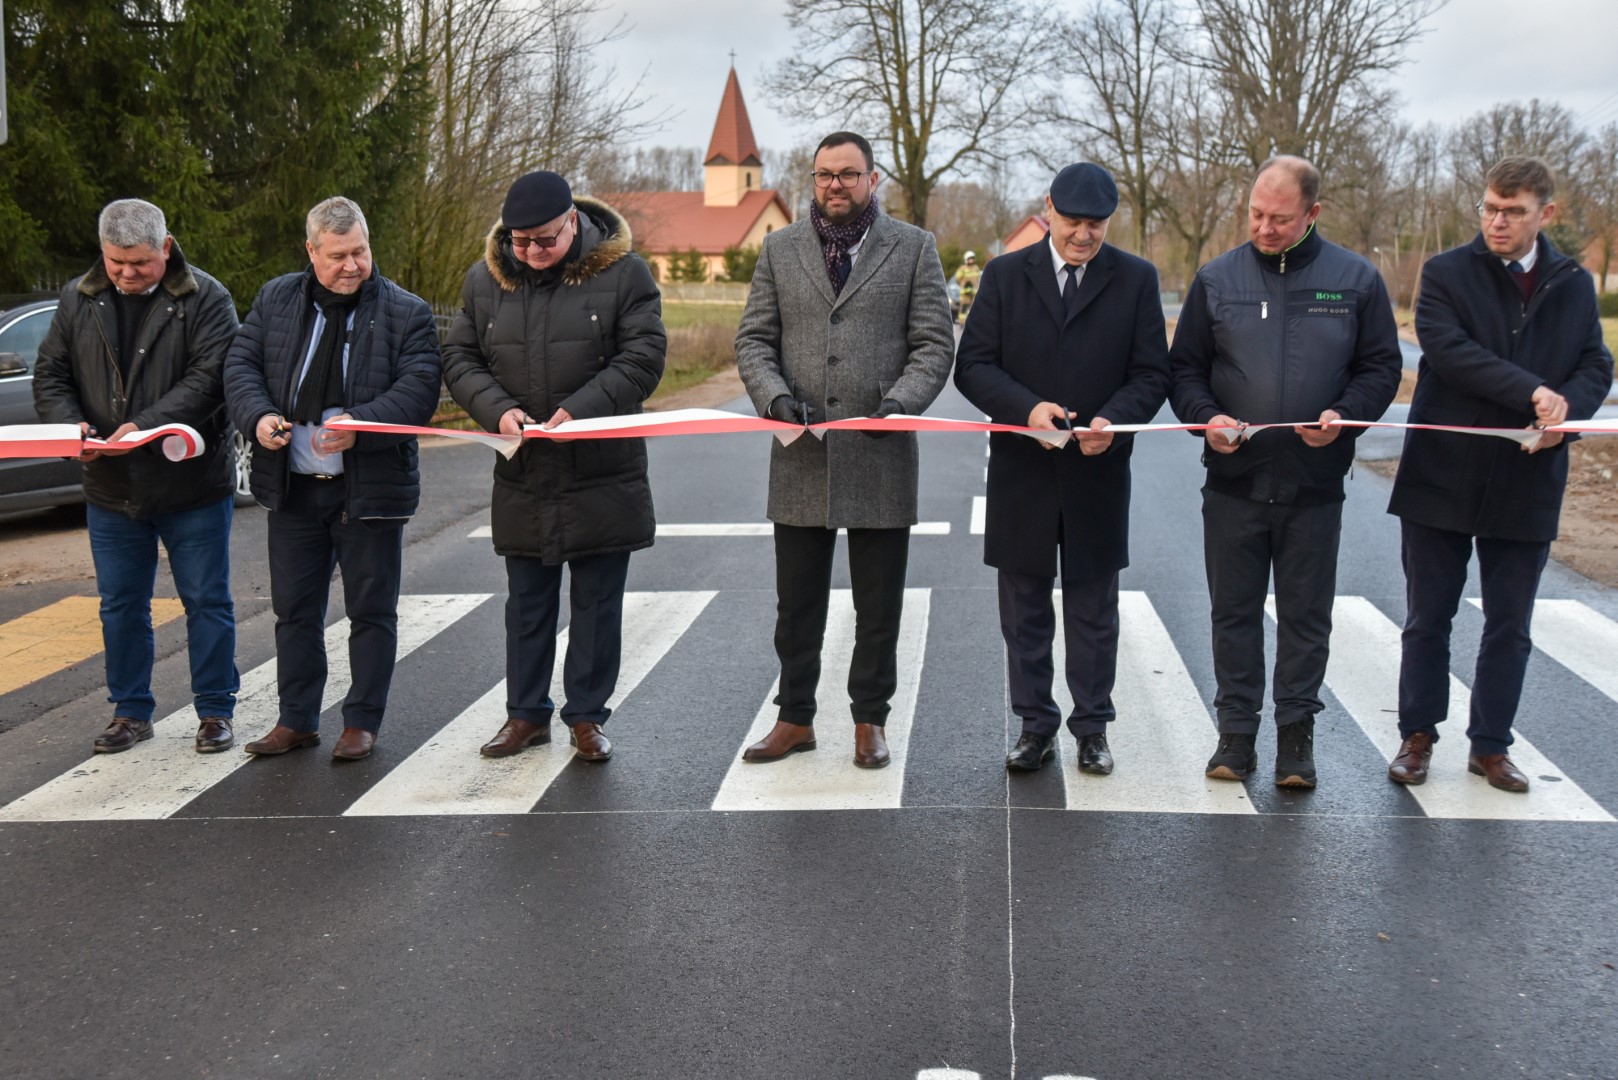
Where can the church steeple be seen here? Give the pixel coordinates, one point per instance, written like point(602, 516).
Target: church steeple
point(732, 166)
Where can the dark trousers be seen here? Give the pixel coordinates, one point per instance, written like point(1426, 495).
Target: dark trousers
point(309, 536)
point(594, 637)
point(1090, 632)
point(876, 564)
point(1435, 574)
point(1243, 541)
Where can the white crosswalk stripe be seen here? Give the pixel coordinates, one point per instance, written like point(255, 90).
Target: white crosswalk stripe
point(1163, 734)
point(825, 778)
point(156, 778)
point(668, 530)
point(1364, 676)
point(448, 776)
point(1581, 640)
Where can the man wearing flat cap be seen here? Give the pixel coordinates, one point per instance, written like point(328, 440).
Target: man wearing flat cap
point(560, 321)
point(1287, 327)
point(1064, 334)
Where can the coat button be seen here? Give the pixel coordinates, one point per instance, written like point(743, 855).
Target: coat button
point(835, 319)
point(831, 403)
point(831, 359)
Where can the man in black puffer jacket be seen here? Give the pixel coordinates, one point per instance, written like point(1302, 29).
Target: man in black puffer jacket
point(336, 341)
point(137, 342)
point(560, 321)
point(1283, 329)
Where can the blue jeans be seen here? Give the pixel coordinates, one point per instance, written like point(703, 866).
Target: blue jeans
point(125, 552)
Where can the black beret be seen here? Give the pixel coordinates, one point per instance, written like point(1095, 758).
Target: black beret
point(534, 199)
point(1084, 191)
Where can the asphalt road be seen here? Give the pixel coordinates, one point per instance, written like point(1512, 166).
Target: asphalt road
point(674, 913)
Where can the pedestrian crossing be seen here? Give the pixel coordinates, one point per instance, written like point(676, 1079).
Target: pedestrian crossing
point(1161, 741)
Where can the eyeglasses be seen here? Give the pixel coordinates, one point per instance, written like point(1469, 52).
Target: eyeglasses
point(521, 242)
point(1514, 215)
point(848, 177)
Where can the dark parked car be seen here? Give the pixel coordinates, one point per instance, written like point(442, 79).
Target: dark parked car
point(31, 483)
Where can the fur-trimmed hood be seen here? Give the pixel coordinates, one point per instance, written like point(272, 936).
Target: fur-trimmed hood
point(606, 240)
point(177, 281)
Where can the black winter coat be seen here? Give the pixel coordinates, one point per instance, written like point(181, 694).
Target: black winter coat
point(392, 378)
point(174, 378)
point(1109, 359)
point(1483, 354)
point(588, 339)
point(1279, 339)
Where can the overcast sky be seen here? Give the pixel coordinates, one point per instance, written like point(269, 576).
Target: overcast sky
point(1476, 53)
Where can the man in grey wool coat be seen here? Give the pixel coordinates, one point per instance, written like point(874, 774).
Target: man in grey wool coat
point(848, 317)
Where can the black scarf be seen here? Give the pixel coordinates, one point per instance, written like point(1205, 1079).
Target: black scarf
point(322, 387)
point(837, 237)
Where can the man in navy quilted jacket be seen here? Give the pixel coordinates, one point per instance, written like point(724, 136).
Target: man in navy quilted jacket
point(336, 341)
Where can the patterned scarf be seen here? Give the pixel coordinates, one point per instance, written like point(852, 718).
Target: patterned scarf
point(836, 238)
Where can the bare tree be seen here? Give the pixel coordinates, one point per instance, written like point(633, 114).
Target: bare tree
point(517, 85)
point(943, 84)
point(1125, 67)
point(1301, 73)
point(1601, 170)
point(1542, 129)
point(787, 171)
point(1202, 170)
point(613, 168)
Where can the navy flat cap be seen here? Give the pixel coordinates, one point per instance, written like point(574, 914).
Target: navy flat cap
point(536, 198)
point(1084, 190)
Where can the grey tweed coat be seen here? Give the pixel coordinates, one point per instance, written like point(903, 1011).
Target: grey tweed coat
point(887, 335)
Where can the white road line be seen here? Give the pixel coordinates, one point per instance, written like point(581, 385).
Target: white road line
point(825, 778)
point(158, 777)
point(447, 776)
point(1163, 735)
point(980, 514)
point(1581, 640)
point(750, 528)
point(1364, 675)
point(947, 1074)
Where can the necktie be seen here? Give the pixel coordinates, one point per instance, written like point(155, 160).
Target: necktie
point(1070, 290)
point(1515, 267)
point(1521, 277)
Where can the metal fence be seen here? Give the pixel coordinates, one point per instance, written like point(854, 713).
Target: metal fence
point(712, 292)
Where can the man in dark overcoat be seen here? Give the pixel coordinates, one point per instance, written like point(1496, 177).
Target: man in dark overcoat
point(335, 341)
point(560, 321)
point(1065, 333)
point(1510, 337)
point(848, 316)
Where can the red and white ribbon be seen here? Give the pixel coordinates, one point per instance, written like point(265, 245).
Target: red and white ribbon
point(179, 441)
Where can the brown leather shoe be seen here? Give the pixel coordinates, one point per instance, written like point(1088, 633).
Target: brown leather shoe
point(783, 739)
point(214, 734)
point(590, 743)
point(281, 739)
point(514, 736)
point(121, 734)
point(1410, 765)
point(1500, 771)
point(353, 744)
point(870, 746)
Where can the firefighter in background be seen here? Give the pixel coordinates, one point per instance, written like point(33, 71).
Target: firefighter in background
point(966, 279)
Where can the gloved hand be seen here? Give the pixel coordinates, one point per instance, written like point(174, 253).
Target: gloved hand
point(889, 407)
point(789, 410)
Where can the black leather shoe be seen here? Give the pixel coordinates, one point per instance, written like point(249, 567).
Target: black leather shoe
point(1031, 752)
point(214, 734)
point(1094, 757)
point(121, 734)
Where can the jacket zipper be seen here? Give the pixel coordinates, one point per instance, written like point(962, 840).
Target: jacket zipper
point(350, 352)
point(1264, 309)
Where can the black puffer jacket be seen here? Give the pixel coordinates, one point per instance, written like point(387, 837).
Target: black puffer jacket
point(1279, 339)
point(173, 379)
point(392, 377)
point(589, 340)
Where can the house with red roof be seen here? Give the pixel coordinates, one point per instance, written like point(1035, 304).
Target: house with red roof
point(733, 209)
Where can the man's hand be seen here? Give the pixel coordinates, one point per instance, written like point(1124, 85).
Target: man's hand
point(789, 410)
point(512, 422)
point(110, 451)
point(1046, 414)
point(560, 416)
point(273, 432)
point(1219, 428)
point(330, 441)
point(86, 432)
point(1547, 440)
point(1550, 408)
point(1321, 435)
point(889, 407)
point(1097, 440)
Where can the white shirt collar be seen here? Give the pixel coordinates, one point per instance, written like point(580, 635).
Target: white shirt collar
point(1060, 264)
point(1527, 261)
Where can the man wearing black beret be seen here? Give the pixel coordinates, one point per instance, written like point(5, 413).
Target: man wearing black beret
point(1064, 334)
point(560, 321)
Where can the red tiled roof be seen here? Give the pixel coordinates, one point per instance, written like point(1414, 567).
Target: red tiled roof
point(732, 142)
point(664, 221)
point(1041, 226)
